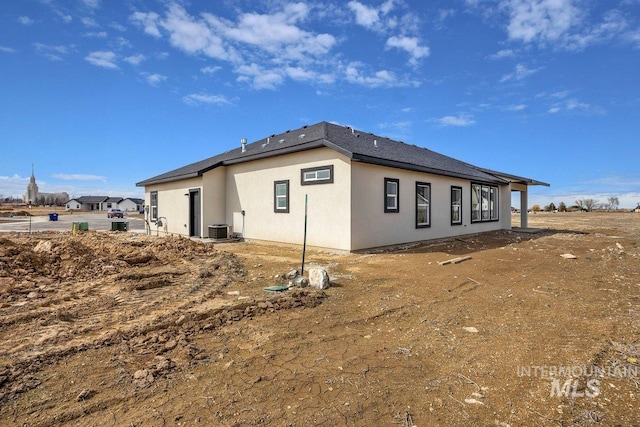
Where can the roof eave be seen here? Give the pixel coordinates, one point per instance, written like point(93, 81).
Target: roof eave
point(407, 166)
point(515, 178)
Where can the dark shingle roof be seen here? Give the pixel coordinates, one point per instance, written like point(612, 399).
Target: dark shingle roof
point(357, 145)
point(92, 199)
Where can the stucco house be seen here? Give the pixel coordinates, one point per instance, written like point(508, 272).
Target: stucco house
point(104, 203)
point(362, 191)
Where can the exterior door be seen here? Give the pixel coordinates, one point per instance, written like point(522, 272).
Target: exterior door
point(194, 213)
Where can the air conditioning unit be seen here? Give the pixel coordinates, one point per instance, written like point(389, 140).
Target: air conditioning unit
point(219, 231)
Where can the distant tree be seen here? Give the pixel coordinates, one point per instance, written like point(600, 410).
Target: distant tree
point(591, 204)
point(536, 208)
point(613, 203)
point(550, 207)
point(587, 204)
point(562, 207)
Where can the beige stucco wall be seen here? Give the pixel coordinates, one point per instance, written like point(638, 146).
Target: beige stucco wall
point(173, 205)
point(347, 214)
point(372, 227)
point(250, 187)
point(213, 198)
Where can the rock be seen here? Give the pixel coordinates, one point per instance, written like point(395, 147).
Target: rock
point(85, 394)
point(301, 282)
point(181, 320)
point(569, 256)
point(291, 274)
point(32, 294)
point(140, 374)
point(470, 329)
point(43, 246)
point(170, 345)
point(319, 278)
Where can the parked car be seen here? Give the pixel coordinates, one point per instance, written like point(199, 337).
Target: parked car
point(115, 213)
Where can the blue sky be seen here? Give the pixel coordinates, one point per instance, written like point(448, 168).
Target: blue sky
point(103, 94)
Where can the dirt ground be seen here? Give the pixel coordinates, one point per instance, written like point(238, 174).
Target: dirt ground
point(122, 329)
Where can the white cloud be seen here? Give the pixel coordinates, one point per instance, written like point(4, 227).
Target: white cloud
point(89, 22)
point(518, 107)
point(135, 59)
point(104, 59)
point(93, 4)
point(563, 24)
point(504, 53)
point(575, 106)
point(377, 79)
point(79, 177)
point(376, 18)
point(154, 79)
point(276, 33)
point(53, 53)
point(149, 22)
point(98, 35)
point(6, 49)
point(13, 186)
point(365, 16)
point(541, 20)
point(259, 77)
point(461, 120)
point(25, 20)
point(209, 70)
point(276, 41)
point(411, 45)
point(520, 72)
point(203, 98)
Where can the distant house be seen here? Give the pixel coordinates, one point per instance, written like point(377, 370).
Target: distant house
point(104, 203)
point(87, 203)
point(357, 191)
point(131, 205)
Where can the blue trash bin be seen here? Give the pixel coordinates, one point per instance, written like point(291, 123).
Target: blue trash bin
point(53, 217)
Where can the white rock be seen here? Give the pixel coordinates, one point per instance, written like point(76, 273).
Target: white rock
point(318, 278)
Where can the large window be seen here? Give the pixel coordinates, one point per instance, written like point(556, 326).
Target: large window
point(423, 204)
point(319, 175)
point(281, 196)
point(391, 195)
point(484, 203)
point(154, 205)
point(456, 205)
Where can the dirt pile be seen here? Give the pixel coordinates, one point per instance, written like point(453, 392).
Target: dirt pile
point(61, 294)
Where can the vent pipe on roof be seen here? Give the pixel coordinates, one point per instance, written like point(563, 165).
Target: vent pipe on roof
point(375, 142)
point(243, 144)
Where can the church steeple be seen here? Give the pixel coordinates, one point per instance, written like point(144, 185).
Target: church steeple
point(33, 176)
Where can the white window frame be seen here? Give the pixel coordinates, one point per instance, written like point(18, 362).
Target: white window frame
point(277, 198)
point(153, 205)
point(423, 201)
point(391, 196)
point(311, 176)
point(456, 205)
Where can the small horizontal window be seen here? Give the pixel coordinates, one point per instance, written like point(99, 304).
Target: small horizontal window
point(317, 175)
